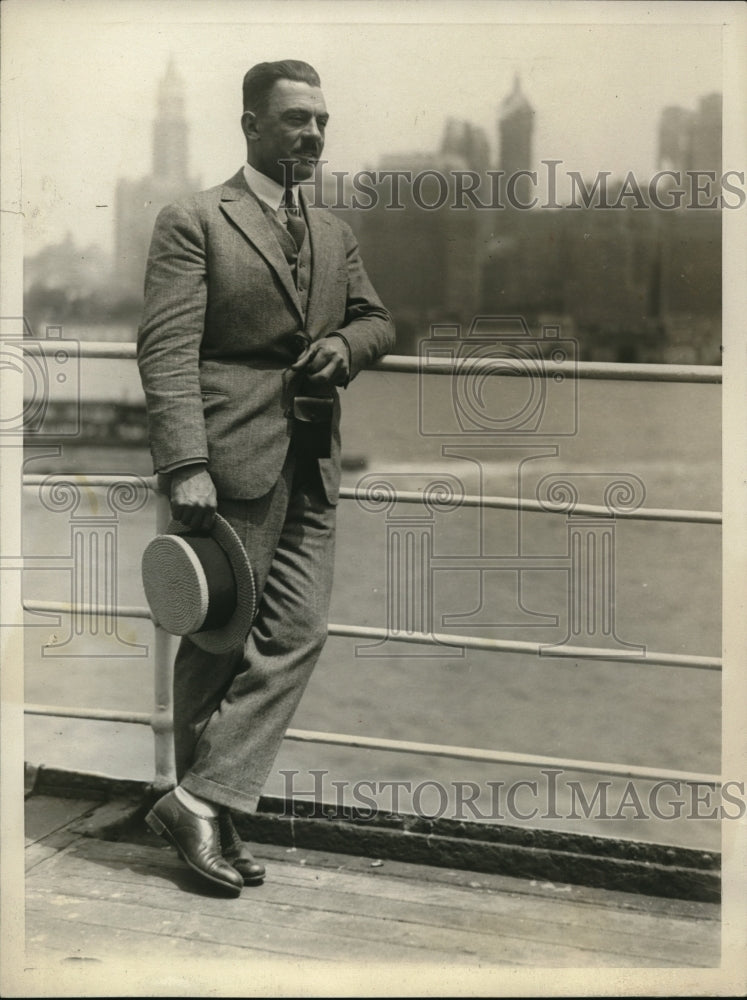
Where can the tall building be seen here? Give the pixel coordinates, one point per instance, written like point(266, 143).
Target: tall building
point(674, 138)
point(691, 140)
point(688, 242)
point(464, 146)
point(424, 258)
point(138, 202)
point(631, 285)
point(515, 127)
point(705, 143)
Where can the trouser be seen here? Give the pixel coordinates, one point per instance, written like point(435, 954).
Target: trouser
point(231, 710)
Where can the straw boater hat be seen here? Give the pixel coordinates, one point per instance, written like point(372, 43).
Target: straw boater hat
point(201, 584)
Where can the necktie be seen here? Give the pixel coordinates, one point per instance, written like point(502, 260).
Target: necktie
point(294, 219)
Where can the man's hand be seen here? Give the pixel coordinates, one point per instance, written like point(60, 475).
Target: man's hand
point(193, 497)
point(325, 362)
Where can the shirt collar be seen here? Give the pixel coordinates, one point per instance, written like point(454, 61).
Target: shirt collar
point(265, 188)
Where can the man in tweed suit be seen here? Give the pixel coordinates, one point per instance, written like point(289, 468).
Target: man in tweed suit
point(257, 307)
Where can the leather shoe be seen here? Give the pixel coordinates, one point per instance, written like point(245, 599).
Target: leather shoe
point(197, 839)
point(237, 852)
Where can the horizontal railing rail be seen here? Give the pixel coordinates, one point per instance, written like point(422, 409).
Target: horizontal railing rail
point(533, 368)
point(543, 507)
point(406, 364)
point(160, 719)
point(476, 754)
point(404, 496)
point(636, 657)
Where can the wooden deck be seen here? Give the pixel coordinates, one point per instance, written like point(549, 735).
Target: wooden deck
point(91, 900)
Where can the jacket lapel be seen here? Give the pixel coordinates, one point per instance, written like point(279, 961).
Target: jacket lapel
point(322, 245)
point(240, 205)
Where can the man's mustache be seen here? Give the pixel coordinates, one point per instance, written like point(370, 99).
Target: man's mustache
point(290, 164)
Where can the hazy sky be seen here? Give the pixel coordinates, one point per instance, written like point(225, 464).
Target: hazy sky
point(90, 69)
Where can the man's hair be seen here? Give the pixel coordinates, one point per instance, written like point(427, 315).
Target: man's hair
point(260, 80)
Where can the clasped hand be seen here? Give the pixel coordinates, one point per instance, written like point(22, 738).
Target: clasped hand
point(325, 362)
point(193, 496)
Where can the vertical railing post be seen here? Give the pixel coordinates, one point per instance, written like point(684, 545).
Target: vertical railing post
point(163, 653)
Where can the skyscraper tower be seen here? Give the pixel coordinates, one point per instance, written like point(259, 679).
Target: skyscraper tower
point(138, 202)
point(465, 145)
point(691, 140)
point(515, 127)
point(170, 128)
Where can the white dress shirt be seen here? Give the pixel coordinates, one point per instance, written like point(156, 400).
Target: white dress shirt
point(266, 189)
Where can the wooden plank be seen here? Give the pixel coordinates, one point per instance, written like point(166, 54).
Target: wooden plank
point(108, 816)
point(672, 941)
point(563, 910)
point(45, 815)
point(46, 850)
point(53, 936)
point(350, 889)
point(426, 875)
point(398, 911)
point(419, 927)
point(428, 926)
point(248, 931)
point(426, 879)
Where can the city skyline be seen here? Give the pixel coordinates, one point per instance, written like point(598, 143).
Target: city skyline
point(629, 294)
point(598, 91)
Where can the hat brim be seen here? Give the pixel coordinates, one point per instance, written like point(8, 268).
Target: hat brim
point(233, 634)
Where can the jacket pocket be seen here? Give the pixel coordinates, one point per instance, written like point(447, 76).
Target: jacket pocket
point(213, 403)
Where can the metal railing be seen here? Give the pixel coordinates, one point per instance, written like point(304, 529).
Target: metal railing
point(160, 720)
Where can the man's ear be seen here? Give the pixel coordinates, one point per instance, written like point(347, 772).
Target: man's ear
point(249, 126)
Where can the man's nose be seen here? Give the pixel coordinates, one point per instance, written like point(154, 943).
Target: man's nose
point(312, 129)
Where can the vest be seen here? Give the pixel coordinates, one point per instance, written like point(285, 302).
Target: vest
point(312, 413)
point(298, 261)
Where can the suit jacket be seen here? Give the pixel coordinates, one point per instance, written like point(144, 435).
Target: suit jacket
point(222, 323)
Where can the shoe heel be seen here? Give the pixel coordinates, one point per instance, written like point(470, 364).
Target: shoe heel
point(155, 824)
